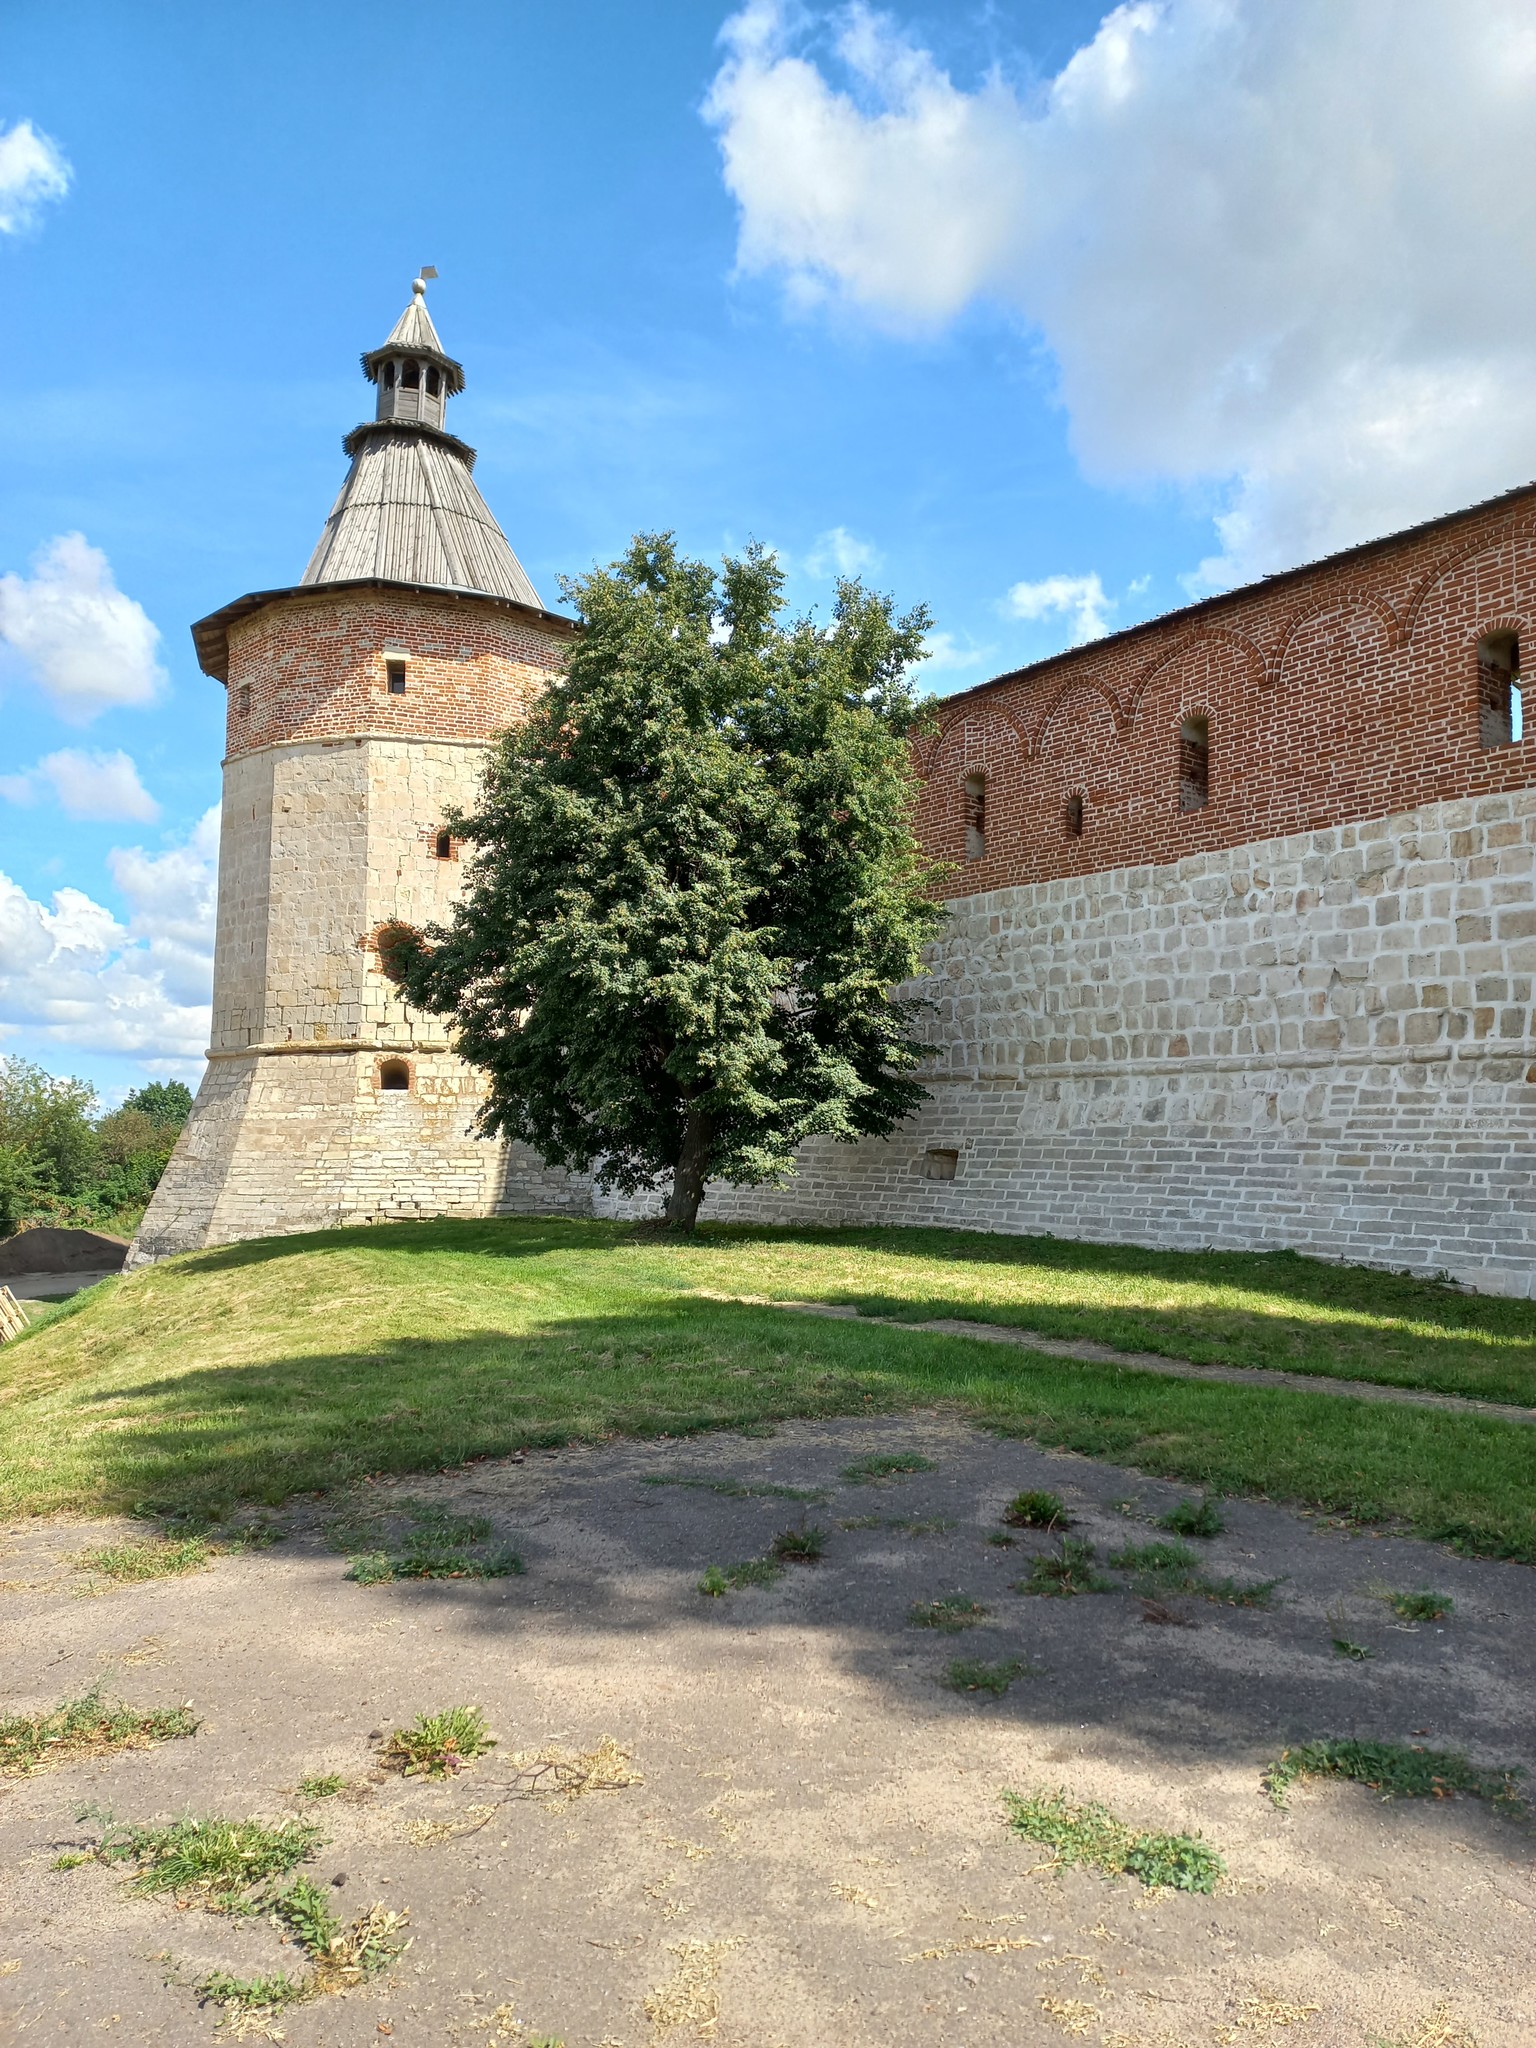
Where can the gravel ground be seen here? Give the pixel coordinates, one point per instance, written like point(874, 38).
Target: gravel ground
point(814, 1852)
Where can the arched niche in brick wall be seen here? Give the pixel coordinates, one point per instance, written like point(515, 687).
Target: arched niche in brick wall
point(1496, 574)
point(1079, 752)
point(1339, 677)
point(1213, 680)
point(972, 745)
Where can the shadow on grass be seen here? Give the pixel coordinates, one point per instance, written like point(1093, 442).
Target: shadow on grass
point(204, 1439)
point(1283, 1311)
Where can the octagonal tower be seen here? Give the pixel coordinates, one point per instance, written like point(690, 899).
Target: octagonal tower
point(361, 703)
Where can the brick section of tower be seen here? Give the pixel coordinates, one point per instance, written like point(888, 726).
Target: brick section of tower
point(315, 667)
point(1339, 692)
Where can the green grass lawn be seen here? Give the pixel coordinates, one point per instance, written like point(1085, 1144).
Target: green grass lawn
point(296, 1364)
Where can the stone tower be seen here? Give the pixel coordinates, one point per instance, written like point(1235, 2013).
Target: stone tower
point(361, 701)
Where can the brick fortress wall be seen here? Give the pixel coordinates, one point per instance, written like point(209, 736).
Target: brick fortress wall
point(1297, 1015)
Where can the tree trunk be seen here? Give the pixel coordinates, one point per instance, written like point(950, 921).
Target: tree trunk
point(692, 1162)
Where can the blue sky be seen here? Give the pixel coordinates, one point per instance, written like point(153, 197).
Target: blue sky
point(985, 301)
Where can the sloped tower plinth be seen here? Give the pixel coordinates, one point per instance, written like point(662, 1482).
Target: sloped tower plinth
point(361, 702)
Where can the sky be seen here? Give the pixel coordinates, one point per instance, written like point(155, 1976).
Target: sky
point(1050, 316)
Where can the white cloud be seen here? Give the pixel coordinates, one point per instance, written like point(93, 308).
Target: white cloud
point(1287, 250)
point(104, 788)
point(88, 645)
point(1078, 598)
point(837, 552)
point(33, 170)
point(77, 977)
point(944, 655)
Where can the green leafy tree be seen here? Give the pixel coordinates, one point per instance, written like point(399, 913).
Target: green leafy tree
point(695, 884)
point(168, 1103)
point(21, 1188)
point(50, 1120)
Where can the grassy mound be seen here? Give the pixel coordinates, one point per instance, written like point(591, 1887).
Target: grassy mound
point(291, 1365)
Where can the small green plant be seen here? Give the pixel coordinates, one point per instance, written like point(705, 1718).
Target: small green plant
point(951, 1613)
point(894, 1465)
point(730, 1578)
point(129, 1564)
point(1158, 1569)
point(88, 1726)
point(306, 1912)
point(736, 1489)
point(1090, 1833)
point(1343, 1647)
point(430, 1560)
point(1193, 1518)
point(967, 1674)
point(72, 1859)
point(1156, 1558)
point(432, 1543)
point(1396, 1770)
point(253, 1998)
point(213, 1861)
point(799, 1546)
point(1420, 1606)
point(1000, 1539)
point(861, 1522)
point(326, 1786)
point(1037, 1511)
point(1065, 1571)
point(438, 1745)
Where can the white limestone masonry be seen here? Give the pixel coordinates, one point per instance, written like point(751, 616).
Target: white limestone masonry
point(1322, 1042)
point(322, 843)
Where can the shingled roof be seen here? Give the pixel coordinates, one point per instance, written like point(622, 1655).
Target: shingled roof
point(409, 514)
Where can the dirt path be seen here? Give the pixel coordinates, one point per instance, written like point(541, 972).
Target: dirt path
point(1150, 1361)
point(816, 1857)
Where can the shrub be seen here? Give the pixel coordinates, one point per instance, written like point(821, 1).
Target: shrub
point(1037, 1511)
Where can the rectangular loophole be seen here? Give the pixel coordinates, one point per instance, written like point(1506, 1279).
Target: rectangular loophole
point(1500, 703)
point(243, 701)
point(940, 1163)
point(1194, 764)
point(975, 817)
point(394, 676)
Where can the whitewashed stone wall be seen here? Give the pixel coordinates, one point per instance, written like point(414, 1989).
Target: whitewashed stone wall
point(322, 842)
point(1322, 1042)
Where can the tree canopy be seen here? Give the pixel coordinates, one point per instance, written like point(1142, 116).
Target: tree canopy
point(695, 884)
point(62, 1162)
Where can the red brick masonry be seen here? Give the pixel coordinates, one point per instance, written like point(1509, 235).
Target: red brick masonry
point(1344, 691)
point(314, 667)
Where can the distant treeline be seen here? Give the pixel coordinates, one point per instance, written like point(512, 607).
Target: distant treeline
point(63, 1161)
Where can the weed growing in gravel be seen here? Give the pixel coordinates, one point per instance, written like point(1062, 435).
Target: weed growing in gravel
point(730, 1578)
point(1153, 1557)
point(88, 1726)
point(128, 1564)
point(210, 1860)
point(1420, 1606)
point(306, 1912)
point(1193, 1518)
point(429, 1560)
point(736, 1489)
point(1000, 1539)
point(1067, 1570)
point(1343, 1647)
point(1090, 1833)
point(438, 1745)
point(250, 2003)
point(1396, 1770)
point(895, 1465)
point(326, 1786)
point(432, 1543)
point(799, 1546)
point(1158, 1569)
point(951, 1613)
point(974, 1674)
point(1037, 1511)
point(861, 1522)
